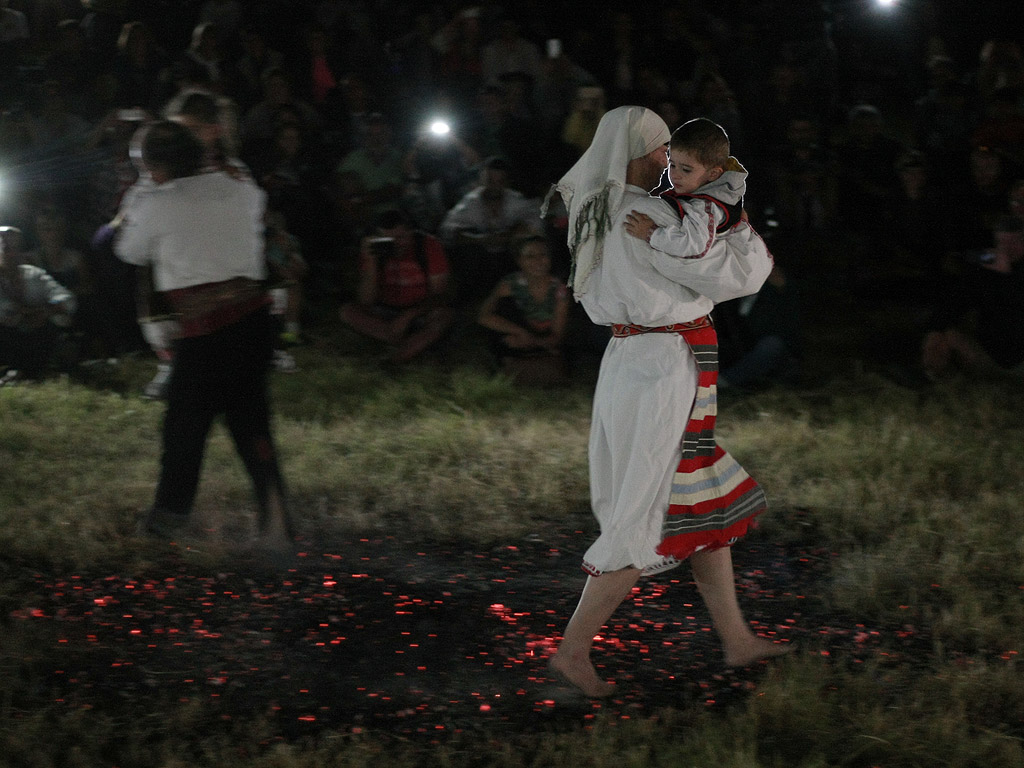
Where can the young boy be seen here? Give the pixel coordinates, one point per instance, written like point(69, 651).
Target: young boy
point(707, 193)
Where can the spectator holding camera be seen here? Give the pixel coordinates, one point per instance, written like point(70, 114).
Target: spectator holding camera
point(403, 296)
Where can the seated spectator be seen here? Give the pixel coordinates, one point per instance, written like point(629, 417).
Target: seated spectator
point(402, 297)
point(1000, 65)
point(373, 172)
point(524, 142)
point(759, 336)
point(95, 323)
point(527, 313)
point(509, 52)
point(439, 165)
point(294, 178)
point(139, 68)
point(459, 46)
point(716, 100)
point(978, 326)
point(787, 94)
point(921, 226)
point(320, 73)
point(14, 40)
point(54, 128)
point(985, 202)
point(206, 53)
point(943, 117)
point(226, 14)
point(68, 62)
point(866, 165)
point(113, 281)
point(1001, 127)
point(260, 123)
point(286, 270)
point(581, 124)
point(480, 229)
point(64, 264)
point(557, 88)
point(802, 183)
point(1016, 203)
point(35, 310)
point(256, 59)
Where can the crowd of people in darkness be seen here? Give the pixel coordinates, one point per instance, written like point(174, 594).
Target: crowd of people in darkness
point(406, 148)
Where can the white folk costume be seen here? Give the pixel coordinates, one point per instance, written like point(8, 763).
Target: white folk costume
point(203, 235)
point(661, 488)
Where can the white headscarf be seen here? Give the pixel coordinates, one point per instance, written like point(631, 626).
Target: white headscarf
point(592, 189)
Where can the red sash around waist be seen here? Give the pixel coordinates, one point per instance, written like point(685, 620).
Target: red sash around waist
point(203, 309)
point(622, 330)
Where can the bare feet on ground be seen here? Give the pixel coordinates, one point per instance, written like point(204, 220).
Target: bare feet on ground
point(754, 649)
point(580, 673)
point(274, 535)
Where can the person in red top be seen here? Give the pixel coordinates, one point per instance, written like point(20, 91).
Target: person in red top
point(403, 297)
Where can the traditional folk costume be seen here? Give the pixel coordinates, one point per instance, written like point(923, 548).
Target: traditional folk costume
point(203, 234)
point(661, 487)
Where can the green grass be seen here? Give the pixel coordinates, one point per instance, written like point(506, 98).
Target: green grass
point(917, 496)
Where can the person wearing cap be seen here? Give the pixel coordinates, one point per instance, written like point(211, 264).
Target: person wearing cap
point(662, 490)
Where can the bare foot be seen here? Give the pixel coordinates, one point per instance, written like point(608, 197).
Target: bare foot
point(754, 649)
point(275, 528)
point(581, 674)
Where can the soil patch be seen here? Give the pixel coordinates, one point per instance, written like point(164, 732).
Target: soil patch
point(386, 635)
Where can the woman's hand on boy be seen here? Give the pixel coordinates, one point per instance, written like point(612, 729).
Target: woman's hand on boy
point(640, 225)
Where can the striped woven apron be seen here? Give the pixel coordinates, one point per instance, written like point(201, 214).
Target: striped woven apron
point(713, 500)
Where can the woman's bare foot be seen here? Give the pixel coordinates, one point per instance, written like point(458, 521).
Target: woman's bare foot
point(753, 649)
point(581, 674)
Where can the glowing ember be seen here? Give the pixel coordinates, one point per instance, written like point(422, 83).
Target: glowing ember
point(419, 641)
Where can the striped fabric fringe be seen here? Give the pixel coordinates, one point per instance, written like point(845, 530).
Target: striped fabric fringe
point(713, 500)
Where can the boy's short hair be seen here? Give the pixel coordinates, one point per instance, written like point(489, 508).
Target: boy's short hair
point(173, 148)
point(199, 104)
point(705, 139)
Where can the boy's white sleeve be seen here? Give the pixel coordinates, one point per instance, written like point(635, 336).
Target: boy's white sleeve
point(736, 264)
point(693, 236)
point(135, 242)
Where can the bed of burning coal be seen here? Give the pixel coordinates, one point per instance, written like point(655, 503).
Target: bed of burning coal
point(421, 641)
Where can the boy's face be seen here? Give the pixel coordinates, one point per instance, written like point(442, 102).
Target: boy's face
point(688, 174)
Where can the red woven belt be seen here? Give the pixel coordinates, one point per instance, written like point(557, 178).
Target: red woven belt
point(621, 330)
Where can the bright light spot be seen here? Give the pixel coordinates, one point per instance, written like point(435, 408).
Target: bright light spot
point(440, 128)
point(886, 3)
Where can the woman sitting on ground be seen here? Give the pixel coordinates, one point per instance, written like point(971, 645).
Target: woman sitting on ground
point(527, 313)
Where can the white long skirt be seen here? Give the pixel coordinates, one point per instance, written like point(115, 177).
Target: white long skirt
point(645, 393)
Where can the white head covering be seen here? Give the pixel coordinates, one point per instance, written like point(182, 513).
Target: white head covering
point(592, 189)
